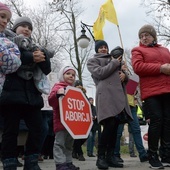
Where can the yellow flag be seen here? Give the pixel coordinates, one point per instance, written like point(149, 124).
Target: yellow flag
point(98, 26)
point(110, 13)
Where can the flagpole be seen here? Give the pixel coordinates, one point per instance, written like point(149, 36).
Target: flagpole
point(120, 36)
point(121, 42)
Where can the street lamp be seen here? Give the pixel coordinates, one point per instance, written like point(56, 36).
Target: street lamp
point(83, 40)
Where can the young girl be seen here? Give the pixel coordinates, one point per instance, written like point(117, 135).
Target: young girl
point(9, 52)
point(63, 141)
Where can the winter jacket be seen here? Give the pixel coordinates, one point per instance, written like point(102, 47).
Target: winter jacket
point(19, 91)
point(10, 58)
point(54, 103)
point(111, 96)
point(146, 62)
point(96, 125)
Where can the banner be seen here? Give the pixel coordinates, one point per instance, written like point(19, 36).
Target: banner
point(132, 84)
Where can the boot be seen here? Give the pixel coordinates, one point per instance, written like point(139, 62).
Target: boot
point(154, 161)
point(31, 162)
point(111, 160)
point(62, 166)
point(101, 159)
point(10, 164)
point(101, 162)
point(71, 166)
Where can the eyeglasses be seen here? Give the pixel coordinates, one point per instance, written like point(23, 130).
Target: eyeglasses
point(145, 35)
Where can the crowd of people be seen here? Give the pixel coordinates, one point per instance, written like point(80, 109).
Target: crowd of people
point(21, 101)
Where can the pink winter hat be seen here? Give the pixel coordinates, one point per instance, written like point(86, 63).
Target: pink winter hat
point(4, 7)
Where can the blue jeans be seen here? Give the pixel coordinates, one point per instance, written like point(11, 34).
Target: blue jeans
point(136, 132)
point(91, 142)
point(46, 116)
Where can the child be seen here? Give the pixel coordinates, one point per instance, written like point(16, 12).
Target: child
point(21, 99)
point(63, 141)
point(9, 52)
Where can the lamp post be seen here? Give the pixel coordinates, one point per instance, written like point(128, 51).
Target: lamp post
point(83, 40)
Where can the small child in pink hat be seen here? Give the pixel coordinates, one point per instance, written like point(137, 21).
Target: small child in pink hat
point(9, 52)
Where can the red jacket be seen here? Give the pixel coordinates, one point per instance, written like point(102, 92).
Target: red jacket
point(146, 62)
point(54, 103)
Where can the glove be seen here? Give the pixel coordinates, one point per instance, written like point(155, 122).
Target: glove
point(117, 52)
point(23, 42)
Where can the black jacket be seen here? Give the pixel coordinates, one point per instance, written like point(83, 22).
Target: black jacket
point(96, 125)
point(17, 90)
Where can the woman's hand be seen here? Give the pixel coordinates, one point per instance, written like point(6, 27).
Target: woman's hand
point(119, 58)
point(165, 68)
point(122, 76)
point(38, 56)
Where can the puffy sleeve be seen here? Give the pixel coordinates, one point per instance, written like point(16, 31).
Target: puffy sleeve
point(101, 71)
point(9, 56)
point(52, 98)
point(146, 63)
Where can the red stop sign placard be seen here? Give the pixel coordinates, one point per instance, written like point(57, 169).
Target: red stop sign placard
point(75, 113)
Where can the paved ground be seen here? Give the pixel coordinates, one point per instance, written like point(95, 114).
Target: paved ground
point(90, 164)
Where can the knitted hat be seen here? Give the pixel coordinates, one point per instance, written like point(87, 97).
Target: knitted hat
point(4, 7)
point(149, 29)
point(90, 98)
point(21, 21)
point(99, 43)
point(63, 70)
point(78, 83)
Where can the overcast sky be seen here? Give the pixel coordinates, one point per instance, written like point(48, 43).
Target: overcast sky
point(130, 14)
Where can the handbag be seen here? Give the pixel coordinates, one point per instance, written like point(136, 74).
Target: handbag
point(123, 117)
point(41, 81)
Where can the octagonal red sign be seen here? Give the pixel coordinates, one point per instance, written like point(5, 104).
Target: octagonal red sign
point(75, 113)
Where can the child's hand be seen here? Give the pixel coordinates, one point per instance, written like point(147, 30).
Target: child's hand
point(60, 92)
point(38, 56)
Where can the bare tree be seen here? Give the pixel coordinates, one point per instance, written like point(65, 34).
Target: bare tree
point(55, 27)
point(45, 28)
point(160, 12)
point(69, 12)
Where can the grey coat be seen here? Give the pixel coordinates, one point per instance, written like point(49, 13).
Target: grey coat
point(111, 96)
